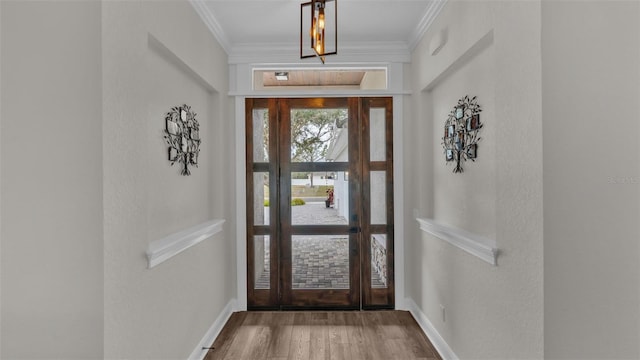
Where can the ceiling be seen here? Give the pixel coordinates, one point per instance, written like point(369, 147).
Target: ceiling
point(264, 24)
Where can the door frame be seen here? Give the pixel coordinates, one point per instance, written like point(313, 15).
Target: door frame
point(308, 298)
point(239, 194)
point(360, 230)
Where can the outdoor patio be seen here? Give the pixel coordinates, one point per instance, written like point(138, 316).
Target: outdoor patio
point(321, 261)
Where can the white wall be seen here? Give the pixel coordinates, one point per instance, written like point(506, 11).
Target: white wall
point(51, 120)
point(86, 186)
point(591, 107)
point(466, 200)
point(0, 179)
point(158, 55)
point(493, 52)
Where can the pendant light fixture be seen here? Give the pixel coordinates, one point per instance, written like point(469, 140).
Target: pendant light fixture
point(320, 18)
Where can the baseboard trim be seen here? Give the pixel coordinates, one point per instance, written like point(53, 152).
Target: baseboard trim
point(213, 332)
point(430, 330)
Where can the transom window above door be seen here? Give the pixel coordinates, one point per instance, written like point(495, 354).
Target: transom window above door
point(324, 78)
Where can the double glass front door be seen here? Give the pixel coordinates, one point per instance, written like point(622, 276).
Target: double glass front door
point(319, 203)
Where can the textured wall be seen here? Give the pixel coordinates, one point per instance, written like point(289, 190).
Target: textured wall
point(52, 267)
point(466, 200)
point(493, 51)
point(591, 98)
point(158, 55)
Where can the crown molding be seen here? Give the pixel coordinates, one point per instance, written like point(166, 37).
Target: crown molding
point(376, 51)
point(274, 52)
point(429, 17)
point(212, 23)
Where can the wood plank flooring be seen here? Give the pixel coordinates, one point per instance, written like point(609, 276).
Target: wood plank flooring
point(326, 335)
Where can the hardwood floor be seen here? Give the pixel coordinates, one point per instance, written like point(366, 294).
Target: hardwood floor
point(329, 335)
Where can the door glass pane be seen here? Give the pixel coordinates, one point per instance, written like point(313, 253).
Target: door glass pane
point(261, 198)
point(260, 135)
point(320, 261)
point(377, 134)
point(379, 261)
point(319, 135)
point(318, 204)
point(378, 197)
point(261, 261)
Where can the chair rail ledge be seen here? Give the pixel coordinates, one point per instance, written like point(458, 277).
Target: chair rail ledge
point(163, 249)
point(479, 246)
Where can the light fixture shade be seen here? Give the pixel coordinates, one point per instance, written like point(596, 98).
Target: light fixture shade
point(318, 29)
point(282, 75)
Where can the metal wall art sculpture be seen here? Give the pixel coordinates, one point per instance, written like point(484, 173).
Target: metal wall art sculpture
point(460, 141)
point(183, 137)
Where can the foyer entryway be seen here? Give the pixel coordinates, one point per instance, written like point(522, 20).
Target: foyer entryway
point(320, 203)
point(335, 335)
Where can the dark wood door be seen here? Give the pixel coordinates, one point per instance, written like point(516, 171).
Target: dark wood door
point(320, 203)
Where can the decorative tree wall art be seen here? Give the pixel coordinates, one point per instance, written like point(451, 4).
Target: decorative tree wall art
point(460, 141)
point(183, 137)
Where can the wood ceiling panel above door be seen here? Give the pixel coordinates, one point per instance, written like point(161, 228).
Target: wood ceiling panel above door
point(354, 79)
point(314, 78)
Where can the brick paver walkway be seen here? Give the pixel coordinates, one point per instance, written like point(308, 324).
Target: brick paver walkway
point(319, 261)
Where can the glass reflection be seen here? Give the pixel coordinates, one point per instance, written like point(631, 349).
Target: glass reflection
point(320, 261)
point(261, 261)
point(379, 261)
